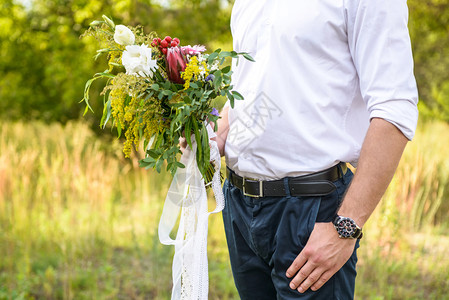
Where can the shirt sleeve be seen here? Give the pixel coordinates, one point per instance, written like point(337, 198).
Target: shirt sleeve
point(380, 46)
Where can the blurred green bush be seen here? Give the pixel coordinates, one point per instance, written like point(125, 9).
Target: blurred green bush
point(44, 64)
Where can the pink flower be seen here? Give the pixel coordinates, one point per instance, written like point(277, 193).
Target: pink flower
point(176, 63)
point(197, 49)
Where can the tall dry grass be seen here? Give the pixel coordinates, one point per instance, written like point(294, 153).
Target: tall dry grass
point(69, 203)
point(77, 221)
point(403, 253)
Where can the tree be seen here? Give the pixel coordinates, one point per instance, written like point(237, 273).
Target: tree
point(429, 27)
point(44, 65)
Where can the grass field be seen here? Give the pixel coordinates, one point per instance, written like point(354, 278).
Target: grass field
point(77, 221)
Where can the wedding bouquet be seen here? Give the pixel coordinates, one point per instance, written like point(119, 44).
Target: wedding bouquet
point(158, 91)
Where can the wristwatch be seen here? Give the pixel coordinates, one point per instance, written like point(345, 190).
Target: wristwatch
point(347, 228)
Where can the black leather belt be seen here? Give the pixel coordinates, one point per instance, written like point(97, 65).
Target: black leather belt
point(316, 184)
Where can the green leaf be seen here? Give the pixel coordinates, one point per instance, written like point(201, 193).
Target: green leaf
point(231, 98)
point(159, 165)
point(159, 140)
point(109, 22)
point(226, 69)
point(179, 165)
point(165, 155)
point(193, 85)
point(104, 74)
point(248, 57)
point(237, 95)
point(95, 23)
point(188, 132)
point(155, 86)
point(199, 149)
point(153, 153)
point(224, 54)
point(107, 110)
point(148, 160)
point(159, 76)
point(227, 79)
point(147, 163)
point(167, 85)
point(206, 148)
point(170, 166)
point(211, 57)
point(86, 94)
point(116, 64)
point(149, 95)
point(218, 79)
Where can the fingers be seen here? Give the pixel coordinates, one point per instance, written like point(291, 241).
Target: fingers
point(323, 279)
point(313, 277)
point(182, 143)
point(303, 274)
point(324, 254)
point(296, 265)
point(310, 276)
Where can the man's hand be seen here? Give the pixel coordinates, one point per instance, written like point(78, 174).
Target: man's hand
point(183, 143)
point(324, 254)
point(222, 133)
point(223, 129)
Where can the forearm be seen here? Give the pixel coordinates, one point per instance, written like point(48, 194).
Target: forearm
point(223, 129)
point(379, 158)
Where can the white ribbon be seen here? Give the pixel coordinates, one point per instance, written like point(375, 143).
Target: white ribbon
point(187, 201)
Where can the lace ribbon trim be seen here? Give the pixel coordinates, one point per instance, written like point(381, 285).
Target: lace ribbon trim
point(187, 201)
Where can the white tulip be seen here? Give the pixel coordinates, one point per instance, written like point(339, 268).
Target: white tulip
point(123, 35)
point(137, 61)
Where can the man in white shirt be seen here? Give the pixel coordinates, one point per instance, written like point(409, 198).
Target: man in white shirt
point(332, 84)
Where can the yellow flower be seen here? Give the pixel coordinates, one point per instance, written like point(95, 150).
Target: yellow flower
point(117, 97)
point(193, 70)
point(114, 57)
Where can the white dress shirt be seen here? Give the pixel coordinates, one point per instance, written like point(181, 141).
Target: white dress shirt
point(323, 69)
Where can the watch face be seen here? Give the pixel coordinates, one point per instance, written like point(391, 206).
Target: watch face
point(346, 227)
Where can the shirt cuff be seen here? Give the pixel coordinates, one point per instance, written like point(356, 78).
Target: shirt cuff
point(402, 113)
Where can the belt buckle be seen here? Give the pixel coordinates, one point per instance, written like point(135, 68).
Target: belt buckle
point(260, 187)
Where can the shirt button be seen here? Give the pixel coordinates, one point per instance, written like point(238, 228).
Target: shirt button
point(267, 22)
point(248, 124)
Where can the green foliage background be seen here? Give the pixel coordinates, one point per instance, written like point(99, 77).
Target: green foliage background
point(44, 64)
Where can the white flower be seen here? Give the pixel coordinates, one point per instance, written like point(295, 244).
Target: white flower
point(123, 35)
point(137, 61)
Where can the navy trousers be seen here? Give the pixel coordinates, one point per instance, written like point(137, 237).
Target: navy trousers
point(266, 234)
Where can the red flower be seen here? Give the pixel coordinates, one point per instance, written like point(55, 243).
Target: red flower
point(176, 63)
point(164, 44)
